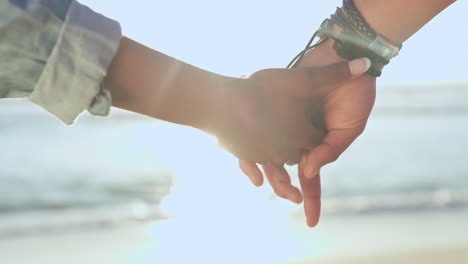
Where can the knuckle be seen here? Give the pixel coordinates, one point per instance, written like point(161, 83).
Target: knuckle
point(334, 158)
point(360, 130)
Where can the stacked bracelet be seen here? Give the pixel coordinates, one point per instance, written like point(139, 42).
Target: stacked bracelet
point(354, 38)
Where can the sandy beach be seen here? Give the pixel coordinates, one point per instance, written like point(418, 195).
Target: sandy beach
point(427, 256)
point(387, 238)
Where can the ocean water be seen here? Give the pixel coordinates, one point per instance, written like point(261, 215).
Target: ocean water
point(105, 172)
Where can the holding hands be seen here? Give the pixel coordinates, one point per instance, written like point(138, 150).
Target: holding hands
point(307, 115)
point(344, 116)
point(340, 113)
point(271, 118)
point(281, 114)
point(267, 117)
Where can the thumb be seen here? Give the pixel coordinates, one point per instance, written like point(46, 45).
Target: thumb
point(327, 78)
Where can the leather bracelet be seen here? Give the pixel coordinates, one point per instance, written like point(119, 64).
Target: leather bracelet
point(358, 38)
point(351, 46)
point(354, 38)
point(356, 19)
point(381, 45)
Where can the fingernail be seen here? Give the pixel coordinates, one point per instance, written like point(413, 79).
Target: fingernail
point(359, 66)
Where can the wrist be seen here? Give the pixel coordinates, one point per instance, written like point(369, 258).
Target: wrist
point(216, 107)
point(398, 20)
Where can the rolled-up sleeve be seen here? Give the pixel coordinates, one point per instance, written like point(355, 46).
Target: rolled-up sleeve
point(56, 53)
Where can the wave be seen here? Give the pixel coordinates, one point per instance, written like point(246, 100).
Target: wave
point(399, 202)
point(47, 222)
point(50, 191)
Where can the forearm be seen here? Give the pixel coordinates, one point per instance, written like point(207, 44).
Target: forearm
point(398, 20)
point(145, 81)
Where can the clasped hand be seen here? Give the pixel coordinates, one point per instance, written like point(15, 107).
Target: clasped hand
point(276, 115)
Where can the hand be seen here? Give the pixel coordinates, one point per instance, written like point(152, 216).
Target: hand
point(261, 119)
point(344, 116)
point(266, 117)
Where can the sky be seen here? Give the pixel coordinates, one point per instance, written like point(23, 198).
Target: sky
point(240, 37)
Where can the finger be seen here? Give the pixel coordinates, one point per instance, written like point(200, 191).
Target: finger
point(259, 155)
point(309, 136)
point(287, 154)
point(311, 191)
point(252, 171)
point(294, 157)
point(326, 79)
point(335, 143)
point(306, 137)
point(281, 183)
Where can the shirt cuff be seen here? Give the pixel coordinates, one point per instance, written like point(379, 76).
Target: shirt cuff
point(71, 80)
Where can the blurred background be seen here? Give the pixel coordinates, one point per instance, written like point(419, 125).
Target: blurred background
point(129, 189)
